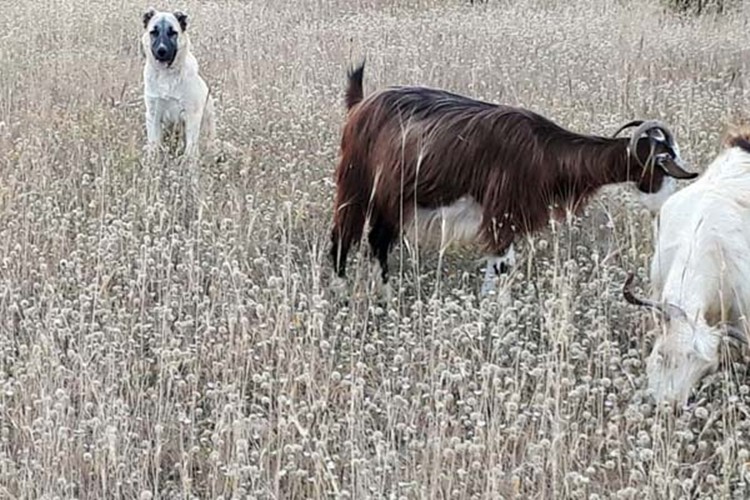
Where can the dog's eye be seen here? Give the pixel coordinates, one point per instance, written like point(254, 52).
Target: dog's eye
point(154, 32)
point(171, 33)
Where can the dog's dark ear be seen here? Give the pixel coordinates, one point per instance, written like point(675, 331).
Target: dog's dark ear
point(147, 16)
point(182, 19)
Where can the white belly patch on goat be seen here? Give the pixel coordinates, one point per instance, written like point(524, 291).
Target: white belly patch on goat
point(457, 222)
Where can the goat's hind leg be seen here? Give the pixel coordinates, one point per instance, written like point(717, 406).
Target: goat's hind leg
point(348, 224)
point(339, 251)
point(381, 239)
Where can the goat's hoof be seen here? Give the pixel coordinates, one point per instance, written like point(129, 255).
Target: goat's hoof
point(387, 293)
point(338, 282)
point(489, 288)
point(338, 286)
point(500, 295)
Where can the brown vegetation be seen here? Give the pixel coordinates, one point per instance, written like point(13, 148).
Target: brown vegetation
point(148, 351)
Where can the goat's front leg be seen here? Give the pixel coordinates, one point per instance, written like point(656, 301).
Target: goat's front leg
point(497, 265)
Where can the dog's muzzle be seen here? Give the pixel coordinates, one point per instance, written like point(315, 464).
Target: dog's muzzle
point(163, 51)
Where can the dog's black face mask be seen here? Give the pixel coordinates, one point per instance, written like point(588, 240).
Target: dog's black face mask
point(164, 41)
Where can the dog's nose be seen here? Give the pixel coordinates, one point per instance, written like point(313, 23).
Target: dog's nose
point(161, 51)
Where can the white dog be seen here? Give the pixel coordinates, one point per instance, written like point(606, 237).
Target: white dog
point(174, 92)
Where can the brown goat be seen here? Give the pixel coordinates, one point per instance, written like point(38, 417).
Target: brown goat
point(485, 171)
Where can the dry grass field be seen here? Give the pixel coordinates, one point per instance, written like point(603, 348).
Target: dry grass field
point(148, 351)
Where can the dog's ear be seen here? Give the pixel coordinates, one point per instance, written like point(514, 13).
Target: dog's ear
point(182, 19)
point(151, 12)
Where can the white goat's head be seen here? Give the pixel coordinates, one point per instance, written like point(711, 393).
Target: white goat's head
point(684, 351)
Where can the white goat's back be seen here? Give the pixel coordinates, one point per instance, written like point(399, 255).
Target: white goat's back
point(704, 240)
point(701, 266)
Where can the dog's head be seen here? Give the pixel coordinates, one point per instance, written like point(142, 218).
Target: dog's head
point(165, 35)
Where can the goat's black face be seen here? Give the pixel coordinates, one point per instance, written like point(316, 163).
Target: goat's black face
point(164, 40)
point(659, 158)
point(651, 176)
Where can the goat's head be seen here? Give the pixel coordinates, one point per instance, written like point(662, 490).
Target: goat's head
point(656, 155)
point(684, 351)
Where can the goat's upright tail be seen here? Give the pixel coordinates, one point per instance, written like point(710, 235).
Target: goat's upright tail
point(354, 91)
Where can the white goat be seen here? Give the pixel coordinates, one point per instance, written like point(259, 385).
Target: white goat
point(700, 273)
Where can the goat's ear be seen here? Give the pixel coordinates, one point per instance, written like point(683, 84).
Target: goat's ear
point(150, 12)
point(182, 19)
point(673, 168)
point(657, 135)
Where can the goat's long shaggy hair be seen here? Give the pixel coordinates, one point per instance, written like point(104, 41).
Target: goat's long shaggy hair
point(409, 147)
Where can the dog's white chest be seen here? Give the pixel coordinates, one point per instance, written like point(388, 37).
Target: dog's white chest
point(171, 110)
point(165, 96)
point(163, 86)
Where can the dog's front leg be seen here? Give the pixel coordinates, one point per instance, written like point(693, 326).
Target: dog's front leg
point(192, 135)
point(153, 130)
point(191, 156)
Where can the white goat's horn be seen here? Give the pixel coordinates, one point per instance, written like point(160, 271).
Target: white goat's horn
point(669, 311)
point(627, 292)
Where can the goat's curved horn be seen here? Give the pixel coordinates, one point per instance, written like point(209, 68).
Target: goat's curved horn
point(627, 292)
point(737, 334)
point(668, 135)
point(641, 129)
point(634, 123)
point(668, 311)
